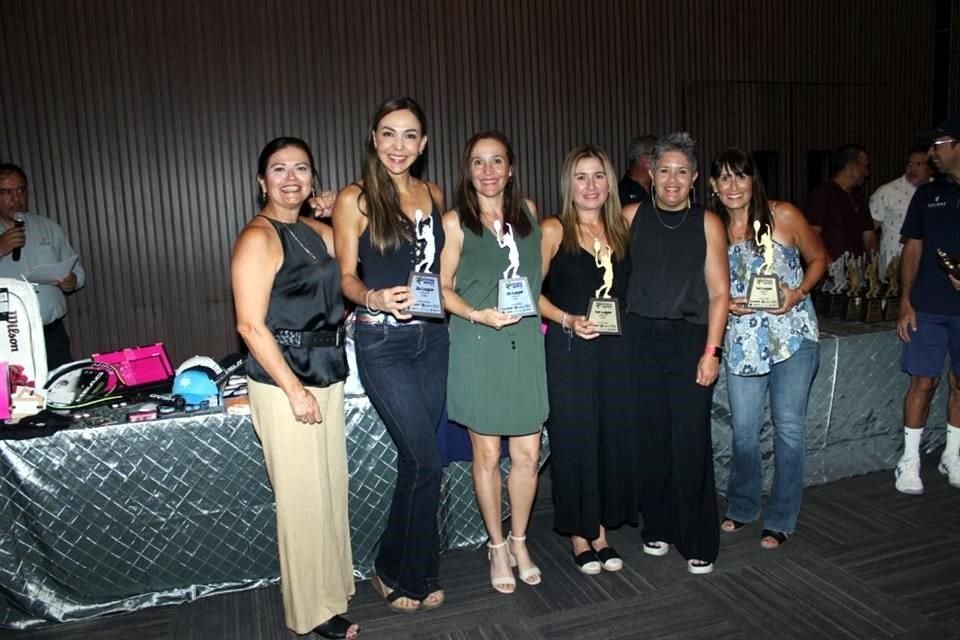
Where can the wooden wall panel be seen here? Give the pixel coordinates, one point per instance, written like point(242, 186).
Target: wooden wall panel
point(139, 122)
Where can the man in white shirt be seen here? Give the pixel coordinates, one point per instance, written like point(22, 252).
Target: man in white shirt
point(28, 240)
point(888, 204)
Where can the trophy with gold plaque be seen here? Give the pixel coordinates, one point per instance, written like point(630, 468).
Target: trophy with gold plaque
point(604, 310)
point(891, 297)
point(424, 285)
point(513, 292)
point(763, 291)
point(873, 305)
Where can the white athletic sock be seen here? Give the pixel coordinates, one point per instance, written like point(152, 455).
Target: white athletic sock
point(953, 441)
point(911, 443)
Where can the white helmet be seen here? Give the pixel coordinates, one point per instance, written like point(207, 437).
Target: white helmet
point(207, 363)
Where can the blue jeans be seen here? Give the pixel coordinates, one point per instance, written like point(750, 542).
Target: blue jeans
point(789, 385)
point(404, 372)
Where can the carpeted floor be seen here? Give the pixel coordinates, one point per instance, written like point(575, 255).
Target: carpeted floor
point(867, 562)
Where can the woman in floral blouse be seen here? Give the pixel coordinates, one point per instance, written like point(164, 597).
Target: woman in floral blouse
point(772, 351)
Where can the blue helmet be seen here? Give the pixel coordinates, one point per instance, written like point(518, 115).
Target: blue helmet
point(195, 386)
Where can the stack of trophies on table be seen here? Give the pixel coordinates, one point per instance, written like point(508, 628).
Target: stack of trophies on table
point(855, 290)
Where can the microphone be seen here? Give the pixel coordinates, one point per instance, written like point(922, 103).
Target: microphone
point(18, 221)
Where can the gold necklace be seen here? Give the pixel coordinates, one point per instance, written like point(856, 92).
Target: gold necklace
point(597, 245)
point(489, 221)
point(664, 224)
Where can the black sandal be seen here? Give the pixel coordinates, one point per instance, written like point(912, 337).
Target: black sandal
point(392, 597)
point(336, 628)
point(779, 536)
point(735, 525)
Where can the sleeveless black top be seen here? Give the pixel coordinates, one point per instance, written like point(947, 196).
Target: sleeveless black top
point(574, 279)
point(392, 268)
point(667, 278)
point(305, 296)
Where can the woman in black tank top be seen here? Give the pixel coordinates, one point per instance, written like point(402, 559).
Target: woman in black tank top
point(593, 437)
point(677, 302)
point(386, 227)
point(286, 287)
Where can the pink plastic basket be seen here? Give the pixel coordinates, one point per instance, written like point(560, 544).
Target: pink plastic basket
point(137, 366)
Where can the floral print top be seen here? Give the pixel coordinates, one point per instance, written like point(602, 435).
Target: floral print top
point(757, 341)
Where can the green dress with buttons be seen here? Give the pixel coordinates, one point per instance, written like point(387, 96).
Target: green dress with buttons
point(498, 379)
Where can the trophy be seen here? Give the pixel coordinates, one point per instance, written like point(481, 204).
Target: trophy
point(764, 291)
point(873, 306)
point(950, 265)
point(604, 311)
point(822, 297)
point(425, 286)
point(891, 298)
point(513, 294)
point(854, 273)
point(838, 279)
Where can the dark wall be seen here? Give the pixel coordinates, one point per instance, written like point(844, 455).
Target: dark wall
point(139, 122)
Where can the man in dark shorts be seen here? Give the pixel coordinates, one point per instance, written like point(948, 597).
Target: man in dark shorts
point(929, 322)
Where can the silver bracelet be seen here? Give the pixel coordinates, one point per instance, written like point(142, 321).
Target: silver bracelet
point(563, 325)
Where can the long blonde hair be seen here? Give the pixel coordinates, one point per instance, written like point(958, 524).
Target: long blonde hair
point(617, 233)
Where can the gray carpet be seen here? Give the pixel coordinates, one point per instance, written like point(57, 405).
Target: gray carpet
point(867, 562)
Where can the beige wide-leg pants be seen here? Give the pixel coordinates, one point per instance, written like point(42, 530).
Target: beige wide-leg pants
point(307, 465)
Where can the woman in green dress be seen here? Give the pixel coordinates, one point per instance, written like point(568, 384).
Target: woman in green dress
point(497, 384)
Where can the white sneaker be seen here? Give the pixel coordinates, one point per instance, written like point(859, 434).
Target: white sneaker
point(950, 467)
point(908, 477)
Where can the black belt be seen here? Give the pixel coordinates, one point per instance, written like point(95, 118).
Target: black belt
point(307, 339)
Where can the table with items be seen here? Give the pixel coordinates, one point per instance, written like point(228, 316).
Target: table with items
point(123, 515)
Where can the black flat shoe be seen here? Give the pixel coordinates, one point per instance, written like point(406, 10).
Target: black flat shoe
point(588, 562)
point(336, 628)
point(610, 559)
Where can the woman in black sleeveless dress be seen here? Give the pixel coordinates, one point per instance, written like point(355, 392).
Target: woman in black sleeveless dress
point(593, 437)
point(286, 287)
point(677, 312)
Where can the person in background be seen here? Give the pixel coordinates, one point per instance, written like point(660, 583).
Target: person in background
point(29, 240)
point(888, 204)
point(594, 446)
point(634, 187)
point(402, 360)
point(286, 289)
point(771, 353)
point(929, 322)
point(837, 209)
point(498, 383)
point(677, 305)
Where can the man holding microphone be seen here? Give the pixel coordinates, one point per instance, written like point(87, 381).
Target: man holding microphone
point(28, 241)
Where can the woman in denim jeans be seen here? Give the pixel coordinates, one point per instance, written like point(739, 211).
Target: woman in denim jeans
point(773, 351)
point(386, 226)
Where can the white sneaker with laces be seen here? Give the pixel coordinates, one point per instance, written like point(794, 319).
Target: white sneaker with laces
point(950, 467)
point(908, 477)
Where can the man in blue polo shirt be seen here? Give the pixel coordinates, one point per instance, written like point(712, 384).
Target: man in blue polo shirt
point(929, 322)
